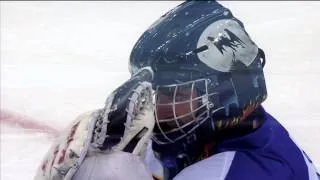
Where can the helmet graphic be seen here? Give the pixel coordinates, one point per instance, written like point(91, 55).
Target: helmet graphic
point(208, 73)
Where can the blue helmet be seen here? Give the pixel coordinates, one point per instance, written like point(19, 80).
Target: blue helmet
point(208, 73)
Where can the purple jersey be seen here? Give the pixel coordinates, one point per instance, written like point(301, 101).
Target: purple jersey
point(268, 153)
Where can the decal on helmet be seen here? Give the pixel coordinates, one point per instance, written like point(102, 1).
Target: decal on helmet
point(227, 44)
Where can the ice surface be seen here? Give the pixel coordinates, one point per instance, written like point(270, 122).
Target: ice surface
point(60, 59)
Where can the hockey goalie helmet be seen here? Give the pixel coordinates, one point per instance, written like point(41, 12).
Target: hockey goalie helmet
point(205, 64)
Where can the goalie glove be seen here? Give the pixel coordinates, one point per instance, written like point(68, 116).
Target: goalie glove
point(127, 121)
point(124, 124)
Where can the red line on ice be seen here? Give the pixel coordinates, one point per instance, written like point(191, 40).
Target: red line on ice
point(24, 122)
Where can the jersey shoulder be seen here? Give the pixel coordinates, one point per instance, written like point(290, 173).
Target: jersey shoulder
point(232, 165)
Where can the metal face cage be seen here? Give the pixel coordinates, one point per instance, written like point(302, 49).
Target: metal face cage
point(180, 109)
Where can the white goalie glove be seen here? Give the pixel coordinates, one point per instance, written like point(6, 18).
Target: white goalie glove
point(108, 143)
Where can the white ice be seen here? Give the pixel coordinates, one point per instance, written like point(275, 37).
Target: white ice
point(60, 59)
